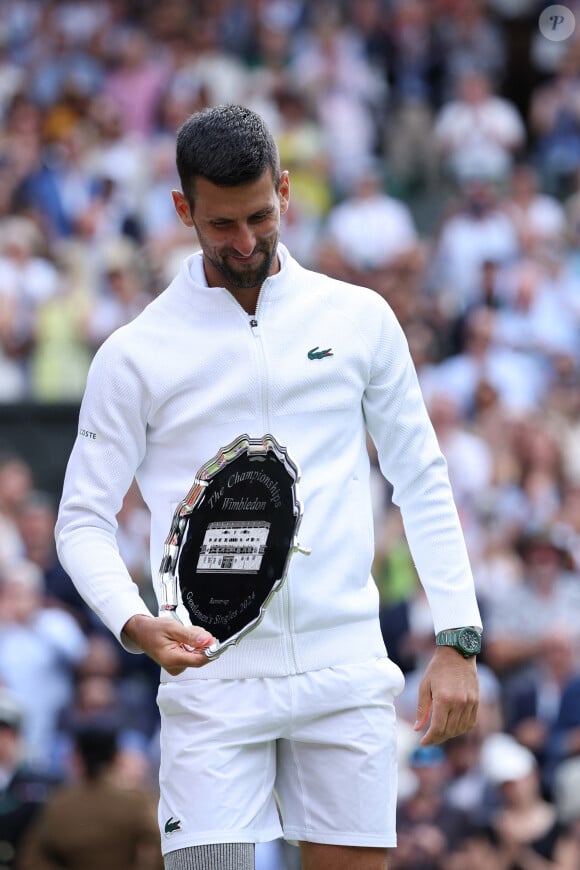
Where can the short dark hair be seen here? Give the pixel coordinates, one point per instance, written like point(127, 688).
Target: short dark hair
point(96, 741)
point(227, 145)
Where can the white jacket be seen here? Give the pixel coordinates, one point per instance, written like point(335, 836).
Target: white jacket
point(188, 376)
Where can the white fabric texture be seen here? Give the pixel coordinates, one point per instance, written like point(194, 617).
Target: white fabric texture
point(229, 746)
point(188, 376)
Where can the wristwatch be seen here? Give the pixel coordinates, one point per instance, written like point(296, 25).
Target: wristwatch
point(466, 640)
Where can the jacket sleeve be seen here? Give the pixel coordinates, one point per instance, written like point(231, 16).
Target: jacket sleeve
point(411, 460)
point(109, 447)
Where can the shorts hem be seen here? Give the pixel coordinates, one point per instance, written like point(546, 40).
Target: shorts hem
point(341, 838)
point(210, 837)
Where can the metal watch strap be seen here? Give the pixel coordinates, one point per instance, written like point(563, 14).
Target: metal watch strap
point(447, 637)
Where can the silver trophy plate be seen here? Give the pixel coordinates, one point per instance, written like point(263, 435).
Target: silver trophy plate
point(231, 539)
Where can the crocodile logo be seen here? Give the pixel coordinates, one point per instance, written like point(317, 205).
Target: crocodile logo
point(319, 354)
point(171, 825)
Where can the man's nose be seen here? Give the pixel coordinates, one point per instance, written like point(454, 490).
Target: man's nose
point(244, 240)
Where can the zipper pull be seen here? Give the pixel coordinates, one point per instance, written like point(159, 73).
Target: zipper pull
point(253, 322)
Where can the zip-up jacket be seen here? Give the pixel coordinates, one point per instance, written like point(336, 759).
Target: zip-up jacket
point(319, 364)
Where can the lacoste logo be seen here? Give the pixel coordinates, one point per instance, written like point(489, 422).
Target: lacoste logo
point(171, 826)
point(319, 354)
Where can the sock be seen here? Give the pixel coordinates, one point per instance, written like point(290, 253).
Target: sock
point(213, 856)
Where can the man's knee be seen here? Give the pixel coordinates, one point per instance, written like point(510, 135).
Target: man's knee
point(213, 856)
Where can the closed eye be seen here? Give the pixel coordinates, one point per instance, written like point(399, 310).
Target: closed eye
point(260, 216)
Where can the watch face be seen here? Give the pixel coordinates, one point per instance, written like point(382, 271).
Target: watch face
point(470, 641)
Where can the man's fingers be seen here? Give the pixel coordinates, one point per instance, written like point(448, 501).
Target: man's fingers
point(447, 722)
point(188, 636)
point(200, 639)
point(424, 706)
point(176, 647)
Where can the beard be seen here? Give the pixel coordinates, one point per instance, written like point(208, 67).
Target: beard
point(246, 277)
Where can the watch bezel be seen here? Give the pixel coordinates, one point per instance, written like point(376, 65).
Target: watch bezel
point(473, 644)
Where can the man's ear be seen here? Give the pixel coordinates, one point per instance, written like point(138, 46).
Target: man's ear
point(182, 208)
point(284, 191)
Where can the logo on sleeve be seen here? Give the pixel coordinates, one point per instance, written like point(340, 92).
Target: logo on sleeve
point(319, 354)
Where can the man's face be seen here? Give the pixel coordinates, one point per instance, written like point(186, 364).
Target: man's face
point(238, 229)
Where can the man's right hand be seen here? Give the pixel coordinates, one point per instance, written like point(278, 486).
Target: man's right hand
point(169, 643)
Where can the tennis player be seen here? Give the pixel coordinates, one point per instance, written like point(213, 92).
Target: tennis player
point(292, 731)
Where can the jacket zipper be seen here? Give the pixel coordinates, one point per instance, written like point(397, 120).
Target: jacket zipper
point(284, 592)
point(263, 368)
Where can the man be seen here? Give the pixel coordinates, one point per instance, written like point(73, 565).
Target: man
point(95, 819)
point(298, 718)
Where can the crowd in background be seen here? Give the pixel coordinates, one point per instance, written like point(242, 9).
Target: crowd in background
point(434, 156)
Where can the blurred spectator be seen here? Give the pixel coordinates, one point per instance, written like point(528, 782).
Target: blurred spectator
point(515, 320)
point(496, 568)
point(554, 122)
point(367, 233)
point(571, 204)
point(303, 152)
point(23, 788)
point(556, 307)
point(566, 795)
point(518, 379)
point(414, 68)
point(35, 522)
point(69, 56)
point(95, 820)
point(467, 786)
point(75, 182)
point(124, 293)
point(538, 217)
point(407, 632)
point(395, 574)
point(27, 279)
point(567, 517)
point(330, 67)
point(203, 66)
point(478, 131)
point(521, 624)
point(466, 761)
point(118, 160)
point(137, 79)
point(16, 484)
point(533, 704)
point(428, 826)
point(133, 539)
point(165, 241)
point(39, 649)
point(104, 686)
point(61, 353)
point(21, 153)
point(467, 37)
point(525, 826)
point(475, 232)
point(468, 456)
point(12, 76)
point(539, 455)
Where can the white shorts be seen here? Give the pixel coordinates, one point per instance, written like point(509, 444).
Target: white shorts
point(309, 757)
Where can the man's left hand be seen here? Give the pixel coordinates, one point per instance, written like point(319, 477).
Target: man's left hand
point(448, 696)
